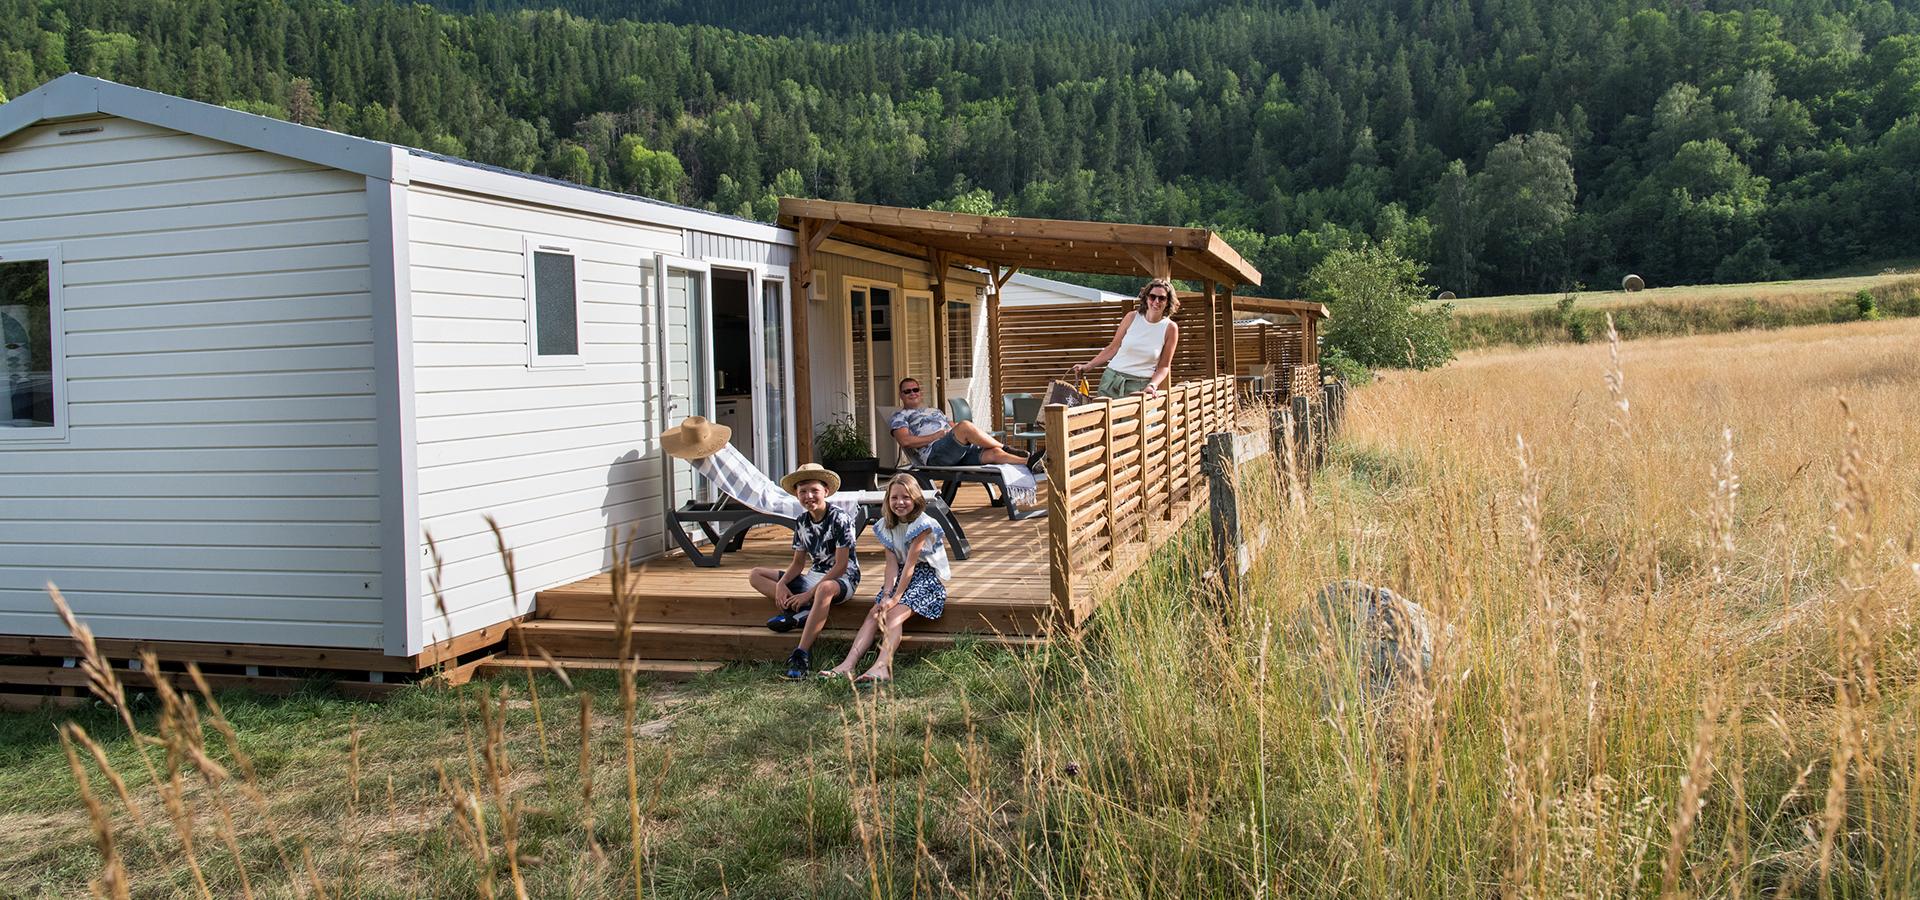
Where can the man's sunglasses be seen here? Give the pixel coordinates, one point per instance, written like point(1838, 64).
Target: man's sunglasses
point(907, 392)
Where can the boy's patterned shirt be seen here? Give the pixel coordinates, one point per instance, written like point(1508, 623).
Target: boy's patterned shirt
point(819, 540)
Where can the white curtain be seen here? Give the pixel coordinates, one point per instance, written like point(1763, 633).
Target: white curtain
point(980, 391)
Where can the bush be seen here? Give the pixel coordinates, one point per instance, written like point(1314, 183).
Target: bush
point(1345, 367)
point(1864, 307)
point(1379, 312)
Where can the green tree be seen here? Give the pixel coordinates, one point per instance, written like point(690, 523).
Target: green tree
point(1523, 200)
point(652, 173)
point(1378, 310)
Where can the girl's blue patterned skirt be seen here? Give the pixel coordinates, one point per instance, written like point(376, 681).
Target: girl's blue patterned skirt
point(926, 595)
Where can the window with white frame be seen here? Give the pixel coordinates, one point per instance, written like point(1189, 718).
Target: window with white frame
point(554, 319)
point(959, 339)
point(32, 388)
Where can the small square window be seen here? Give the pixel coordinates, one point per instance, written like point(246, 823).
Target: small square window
point(32, 392)
point(553, 305)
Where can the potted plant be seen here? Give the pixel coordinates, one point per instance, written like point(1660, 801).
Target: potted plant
point(841, 448)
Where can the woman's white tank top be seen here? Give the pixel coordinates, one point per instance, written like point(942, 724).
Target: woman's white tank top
point(1139, 352)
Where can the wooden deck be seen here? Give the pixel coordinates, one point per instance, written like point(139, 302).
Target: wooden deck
point(684, 612)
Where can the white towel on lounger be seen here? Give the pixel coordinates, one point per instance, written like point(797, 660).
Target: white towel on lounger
point(1022, 489)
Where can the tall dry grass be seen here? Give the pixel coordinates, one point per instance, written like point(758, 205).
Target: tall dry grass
point(1675, 583)
point(1673, 587)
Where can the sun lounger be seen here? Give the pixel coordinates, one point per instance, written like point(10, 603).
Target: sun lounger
point(751, 499)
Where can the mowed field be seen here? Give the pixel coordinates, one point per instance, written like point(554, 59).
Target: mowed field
point(1798, 291)
point(1672, 587)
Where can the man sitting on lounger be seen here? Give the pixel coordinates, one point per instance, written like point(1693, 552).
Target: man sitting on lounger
point(935, 440)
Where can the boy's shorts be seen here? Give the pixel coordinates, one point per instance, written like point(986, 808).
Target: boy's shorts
point(805, 582)
point(950, 452)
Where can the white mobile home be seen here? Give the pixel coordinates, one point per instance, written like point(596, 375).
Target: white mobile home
point(252, 366)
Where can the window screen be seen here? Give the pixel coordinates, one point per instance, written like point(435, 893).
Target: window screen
point(557, 324)
point(26, 339)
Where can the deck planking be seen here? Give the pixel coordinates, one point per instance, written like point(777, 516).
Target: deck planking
point(1002, 590)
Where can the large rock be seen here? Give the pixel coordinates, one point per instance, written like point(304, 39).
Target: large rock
point(1388, 637)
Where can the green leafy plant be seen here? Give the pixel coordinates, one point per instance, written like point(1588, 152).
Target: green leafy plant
point(1345, 367)
point(1864, 307)
point(1380, 313)
point(839, 438)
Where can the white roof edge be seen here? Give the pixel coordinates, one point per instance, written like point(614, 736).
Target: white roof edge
point(502, 184)
point(1072, 290)
point(73, 95)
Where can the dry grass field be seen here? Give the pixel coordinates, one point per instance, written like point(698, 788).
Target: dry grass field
point(1673, 593)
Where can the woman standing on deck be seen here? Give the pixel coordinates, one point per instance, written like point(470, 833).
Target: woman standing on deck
point(1140, 356)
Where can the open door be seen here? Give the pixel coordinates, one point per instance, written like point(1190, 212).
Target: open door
point(686, 362)
point(773, 376)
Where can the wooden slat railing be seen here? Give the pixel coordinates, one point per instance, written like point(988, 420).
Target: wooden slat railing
point(1121, 476)
point(1303, 380)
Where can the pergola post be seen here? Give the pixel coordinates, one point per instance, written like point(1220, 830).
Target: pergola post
point(1232, 350)
point(937, 262)
point(1211, 318)
point(799, 285)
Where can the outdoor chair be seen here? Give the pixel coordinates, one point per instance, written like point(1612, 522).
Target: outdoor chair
point(749, 499)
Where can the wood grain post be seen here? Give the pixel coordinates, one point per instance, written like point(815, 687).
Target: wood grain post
point(1059, 512)
point(799, 285)
point(1321, 432)
point(937, 264)
point(1303, 438)
point(1108, 481)
point(1224, 509)
point(1231, 351)
point(1211, 321)
point(994, 350)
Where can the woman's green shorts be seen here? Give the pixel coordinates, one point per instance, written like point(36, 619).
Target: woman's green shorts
point(1118, 384)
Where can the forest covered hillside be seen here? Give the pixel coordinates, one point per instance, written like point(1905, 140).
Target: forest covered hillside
point(1512, 145)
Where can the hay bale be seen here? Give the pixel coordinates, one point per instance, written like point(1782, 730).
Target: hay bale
point(1632, 283)
point(1445, 295)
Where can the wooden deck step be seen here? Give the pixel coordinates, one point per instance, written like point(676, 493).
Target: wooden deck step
point(741, 605)
point(656, 669)
point(575, 638)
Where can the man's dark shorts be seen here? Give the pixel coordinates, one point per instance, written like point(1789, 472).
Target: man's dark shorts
point(949, 452)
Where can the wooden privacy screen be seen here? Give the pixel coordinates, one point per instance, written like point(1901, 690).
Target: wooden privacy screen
point(1257, 343)
point(1122, 475)
point(1038, 343)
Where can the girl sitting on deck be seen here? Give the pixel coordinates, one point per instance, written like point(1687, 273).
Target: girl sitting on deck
point(915, 581)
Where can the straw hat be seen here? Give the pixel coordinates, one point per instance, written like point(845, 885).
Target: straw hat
point(695, 438)
point(812, 472)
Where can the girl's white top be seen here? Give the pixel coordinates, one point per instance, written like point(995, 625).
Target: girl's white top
point(900, 537)
point(1139, 352)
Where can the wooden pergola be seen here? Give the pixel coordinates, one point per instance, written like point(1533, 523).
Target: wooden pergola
point(1001, 246)
point(1277, 332)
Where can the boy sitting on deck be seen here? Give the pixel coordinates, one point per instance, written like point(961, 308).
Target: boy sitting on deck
point(824, 570)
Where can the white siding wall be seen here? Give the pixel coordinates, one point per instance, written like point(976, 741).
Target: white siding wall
point(559, 456)
point(218, 482)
